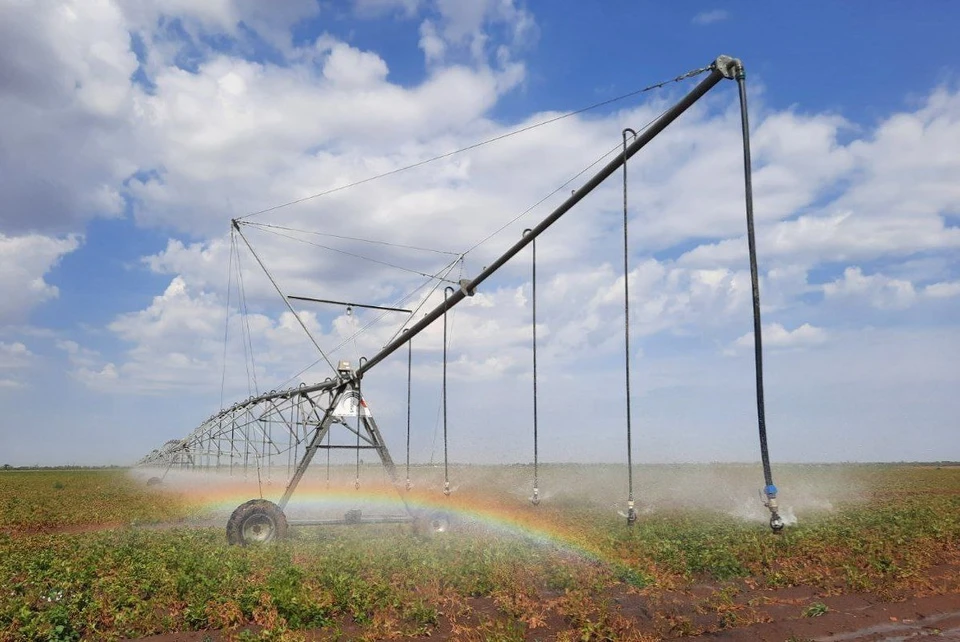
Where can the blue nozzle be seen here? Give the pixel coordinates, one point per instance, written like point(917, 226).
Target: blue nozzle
point(771, 491)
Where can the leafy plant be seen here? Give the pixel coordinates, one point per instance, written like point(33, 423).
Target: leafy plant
point(816, 610)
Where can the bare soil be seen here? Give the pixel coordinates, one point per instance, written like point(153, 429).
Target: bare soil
point(730, 613)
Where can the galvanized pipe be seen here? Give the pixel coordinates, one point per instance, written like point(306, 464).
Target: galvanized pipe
point(468, 288)
point(718, 72)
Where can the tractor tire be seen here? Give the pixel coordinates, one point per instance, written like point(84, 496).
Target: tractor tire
point(258, 521)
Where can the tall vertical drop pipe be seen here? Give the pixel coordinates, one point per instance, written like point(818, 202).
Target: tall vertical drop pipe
point(409, 391)
point(535, 499)
point(446, 462)
point(770, 490)
point(631, 510)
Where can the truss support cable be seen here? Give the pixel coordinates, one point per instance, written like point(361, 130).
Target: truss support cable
point(631, 510)
point(468, 288)
point(236, 226)
point(658, 85)
point(245, 335)
point(353, 238)
point(446, 270)
point(226, 321)
point(535, 498)
point(409, 395)
point(446, 461)
point(344, 252)
point(776, 523)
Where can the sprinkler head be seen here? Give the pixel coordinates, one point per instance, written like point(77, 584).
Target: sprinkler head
point(409, 485)
point(776, 523)
point(535, 500)
point(356, 484)
point(631, 516)
point(446, 488)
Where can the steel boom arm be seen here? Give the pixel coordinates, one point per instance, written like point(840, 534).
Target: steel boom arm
point(723, 67)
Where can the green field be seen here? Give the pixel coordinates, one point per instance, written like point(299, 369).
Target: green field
point(98, 555)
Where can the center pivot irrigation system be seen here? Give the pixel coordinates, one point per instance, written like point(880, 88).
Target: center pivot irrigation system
point(286, 429)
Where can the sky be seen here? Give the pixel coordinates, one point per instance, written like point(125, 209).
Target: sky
point(133, 132)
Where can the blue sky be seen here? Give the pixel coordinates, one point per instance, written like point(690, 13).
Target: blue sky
point(133, 133)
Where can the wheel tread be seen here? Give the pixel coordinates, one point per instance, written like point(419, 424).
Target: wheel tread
point(247, 510)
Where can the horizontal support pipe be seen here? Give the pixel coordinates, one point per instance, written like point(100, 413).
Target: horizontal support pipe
point(348, 304)
point(339, 447)
point(398, 519)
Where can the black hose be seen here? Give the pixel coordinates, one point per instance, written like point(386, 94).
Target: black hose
point(776, 523)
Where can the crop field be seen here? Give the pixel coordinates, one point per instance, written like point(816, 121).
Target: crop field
point(100, 555)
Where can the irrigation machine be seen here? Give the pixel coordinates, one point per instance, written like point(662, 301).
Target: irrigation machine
point(285, 429)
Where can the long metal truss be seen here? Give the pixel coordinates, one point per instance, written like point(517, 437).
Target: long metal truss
point(267, 432)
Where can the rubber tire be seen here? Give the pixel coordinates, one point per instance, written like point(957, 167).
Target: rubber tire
point(248, 514)
point(154, 481)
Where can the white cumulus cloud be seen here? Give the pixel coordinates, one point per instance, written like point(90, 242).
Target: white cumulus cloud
point(709, 17)
point(24, 261)
point(877, 290)
point(776, 336)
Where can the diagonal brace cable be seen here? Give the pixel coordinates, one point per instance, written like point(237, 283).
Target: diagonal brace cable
point(236, 226)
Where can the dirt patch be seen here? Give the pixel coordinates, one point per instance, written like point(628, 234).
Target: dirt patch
point(726, 613)
point(858, 618)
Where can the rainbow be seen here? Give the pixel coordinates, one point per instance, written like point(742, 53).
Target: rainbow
point(509, 516)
